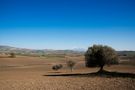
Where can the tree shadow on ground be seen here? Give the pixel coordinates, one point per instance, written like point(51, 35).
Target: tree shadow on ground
point(100, 74)
point(54, 72)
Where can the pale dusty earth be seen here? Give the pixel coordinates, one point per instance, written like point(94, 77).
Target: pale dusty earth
point(29, 73)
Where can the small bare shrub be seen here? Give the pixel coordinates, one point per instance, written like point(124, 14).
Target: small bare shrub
point(57, 67)
point(12, 55)
point(71, 64)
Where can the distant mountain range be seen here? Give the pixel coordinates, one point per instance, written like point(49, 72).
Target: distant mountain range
point(9, 49)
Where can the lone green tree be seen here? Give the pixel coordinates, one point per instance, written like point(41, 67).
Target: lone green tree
point(99, 55)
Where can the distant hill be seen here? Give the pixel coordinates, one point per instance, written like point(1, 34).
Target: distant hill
point(24, 51)
point(126, 53)
point(9, 49)
point(79, 49)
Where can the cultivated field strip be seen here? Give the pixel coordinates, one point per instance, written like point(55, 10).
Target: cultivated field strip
point(69, 83)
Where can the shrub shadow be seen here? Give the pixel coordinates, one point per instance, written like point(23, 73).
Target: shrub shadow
point(100, 74)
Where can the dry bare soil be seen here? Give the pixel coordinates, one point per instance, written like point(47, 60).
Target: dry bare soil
point(30, 73)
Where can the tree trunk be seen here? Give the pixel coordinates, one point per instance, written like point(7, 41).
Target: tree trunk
point(71, 69)
point(101, 69)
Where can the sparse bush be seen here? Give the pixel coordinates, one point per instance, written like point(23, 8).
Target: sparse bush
point(71, 64)
point(99, 55)
point(12, 55)
point(57, 67)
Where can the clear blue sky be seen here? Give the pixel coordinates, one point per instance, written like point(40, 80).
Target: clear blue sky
point(67, 24)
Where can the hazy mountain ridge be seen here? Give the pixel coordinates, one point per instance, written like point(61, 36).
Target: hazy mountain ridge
point(9, 49)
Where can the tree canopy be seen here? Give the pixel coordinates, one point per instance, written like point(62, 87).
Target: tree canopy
point(99, 55)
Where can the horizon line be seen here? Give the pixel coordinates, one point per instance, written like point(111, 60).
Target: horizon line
point(83, 49)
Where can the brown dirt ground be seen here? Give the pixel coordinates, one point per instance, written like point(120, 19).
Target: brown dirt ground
point(27, 73)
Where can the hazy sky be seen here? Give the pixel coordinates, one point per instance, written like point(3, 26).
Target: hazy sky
point(67, 24)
